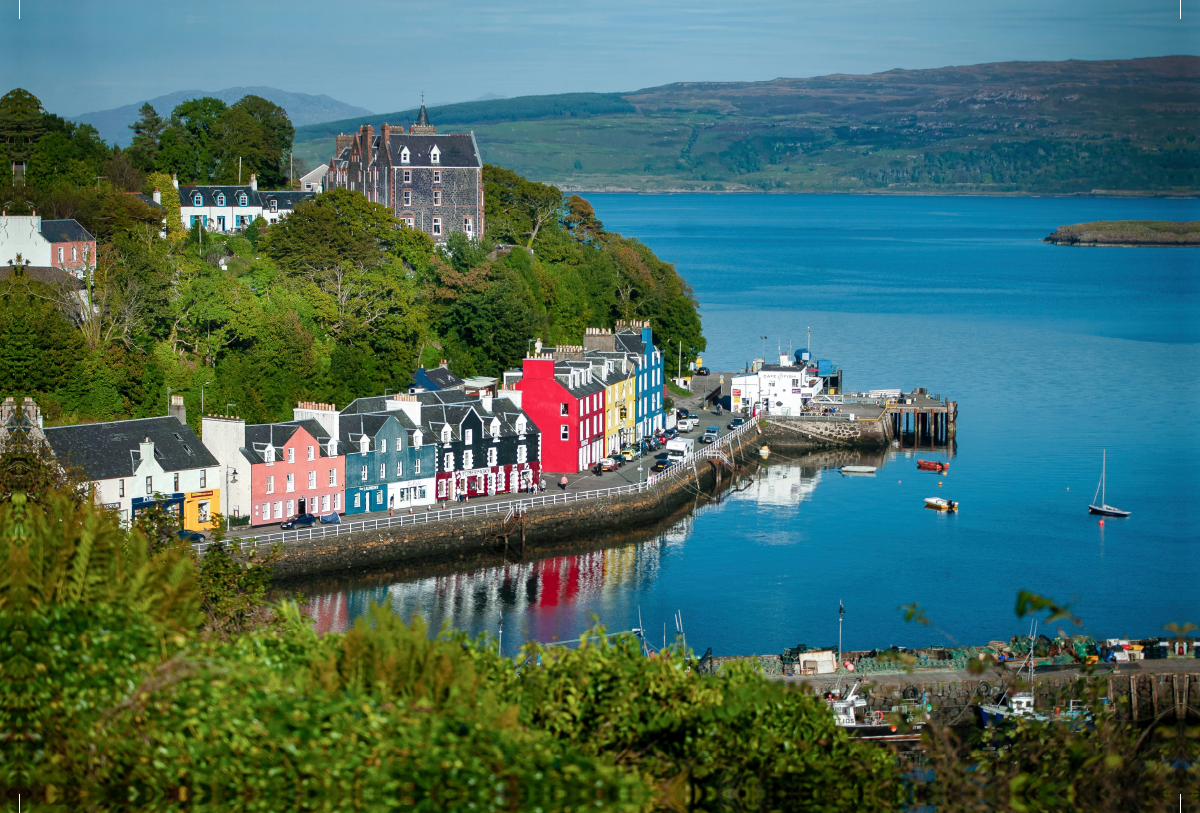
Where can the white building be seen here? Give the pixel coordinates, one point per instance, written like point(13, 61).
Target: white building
point(134, 465)
point(232, 208)
point(783, 388)
point(314, 180)
point(61, 244)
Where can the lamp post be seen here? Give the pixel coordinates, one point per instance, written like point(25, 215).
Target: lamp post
point(229, 408)
point(202, 386)
point(230, 477)
point(841, 612)
point(168, 399)
point(640, 474)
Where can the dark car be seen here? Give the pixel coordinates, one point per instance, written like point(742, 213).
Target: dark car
point(682, 413)
point(736, 422)
point(669, 434)
point(701, 371)
point(302, 521)
point(191, 536)
point(661, 465)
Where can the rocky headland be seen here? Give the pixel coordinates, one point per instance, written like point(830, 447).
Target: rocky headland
point(1128, 233)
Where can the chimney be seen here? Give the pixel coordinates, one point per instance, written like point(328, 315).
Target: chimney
point(512, 395)
point(253, 182)
point(177, 409)
point(568, 352)
point(324, 414)
point(486, 400)
point(600, 339)
point(157, 196)
point(146, 451)
point(343, 141)
point(174, 180)
point(408, 404)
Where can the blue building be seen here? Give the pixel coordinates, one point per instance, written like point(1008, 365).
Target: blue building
point(636, 338)
point(439, 378)
point(388, 465)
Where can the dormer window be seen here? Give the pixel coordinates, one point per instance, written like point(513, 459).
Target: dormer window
point(404, 155)
point(521, 426)
point(243, 200)
point(197, 199)
point(445, 434)
point(495, 428)
point(274, 205)
point(435, 155)
point(220, 198)
point(332, 450)
point(417, 439)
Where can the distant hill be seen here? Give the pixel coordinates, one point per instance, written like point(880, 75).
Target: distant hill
point(1127, 126)
point(302, 109)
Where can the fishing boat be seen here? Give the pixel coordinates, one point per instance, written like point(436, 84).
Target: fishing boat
point(1103, 508)
point(933, 465)
point(875, 727)
point(858, 469)
point(938, 504)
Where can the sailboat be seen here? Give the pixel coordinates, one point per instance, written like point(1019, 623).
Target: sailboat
point(1103, 508)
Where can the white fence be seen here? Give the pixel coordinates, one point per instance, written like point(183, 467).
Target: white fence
point(506, 509)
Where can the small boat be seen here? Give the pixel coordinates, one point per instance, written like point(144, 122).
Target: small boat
point(858, 469)
point(764, 452)
point(331, 518)
point(875, 726)
point(933, 465)
point(938, 504)
point(1103, 508)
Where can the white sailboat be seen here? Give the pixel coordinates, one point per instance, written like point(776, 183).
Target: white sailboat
point(1103, 508)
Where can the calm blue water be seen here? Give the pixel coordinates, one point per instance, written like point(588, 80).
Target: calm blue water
point(1053, 354)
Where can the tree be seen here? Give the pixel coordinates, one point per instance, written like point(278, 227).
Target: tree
point(275, 133)
point(147, 130)
point(21, 123)
point(188, 146)
point(493, 327)
point(581, 221)
point(515, 208)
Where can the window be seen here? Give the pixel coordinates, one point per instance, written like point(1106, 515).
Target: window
point(448, 462)
point(435, 155)
point(437, 197)
point(197, 199)
point(522, 454)
point(437, 226)
point(291, 507)
point(492, 456)
point(581, 434)
point(325, 504)
point(417, 466)
point(279, 510)
point(291, 482)
point(121, 488)
point(408, 198)
point(333, 477)
point(795, 382)
point(291, 455)
point(399, 469)
point(383, 445)
point(383, 471)
point(364, 474)
point(411, 222)
point(220, 198)
point(468, 226)
point(404, 157)
point(357, 500)
point(437, 176)
point(270, 483)
point(202, 509)
point(149, 485)
point(337, 501)
point(312, 479)
point(242, 199)
point(266, 510)
point(312, 452)
point(204, 478)
point(564, 432)
point(74, 254)
point(60, 254)
point(274, 205)
point(468, 460)
point(379, 498)
point(408, 176)
point(469, 436)
point(564, 409)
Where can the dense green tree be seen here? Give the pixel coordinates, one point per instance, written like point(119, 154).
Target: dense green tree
point(21, 124)
point(39, 347)
point(189, 146)
point(492, 327)
point(147, 130)
point(272, 139)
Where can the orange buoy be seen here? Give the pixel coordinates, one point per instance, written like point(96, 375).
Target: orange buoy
point(939, 485)
point(1101, 522)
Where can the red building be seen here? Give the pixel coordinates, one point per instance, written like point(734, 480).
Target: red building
point(567, 404)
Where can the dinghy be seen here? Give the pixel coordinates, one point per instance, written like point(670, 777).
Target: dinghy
point(1103, 508)
point(933, 465)
point(938, 504)
point(858, 469)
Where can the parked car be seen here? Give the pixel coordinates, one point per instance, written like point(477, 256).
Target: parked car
point(711, 434)
point(629, 453)
point(687, 424)
point(681, 413)
point(701, 371)
point(661, 465)
point(736, 422)
point(191, 536)
point(608, 464)
point(302, 521)
point(668, 434)
point(651, 444)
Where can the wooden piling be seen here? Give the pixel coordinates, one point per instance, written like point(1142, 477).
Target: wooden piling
point(1154, 692)
point(1133, 698)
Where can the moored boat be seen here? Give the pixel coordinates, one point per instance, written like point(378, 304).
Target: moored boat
point(1102, 507)
point(858, 469)
point(933, 465)
point(938, 504)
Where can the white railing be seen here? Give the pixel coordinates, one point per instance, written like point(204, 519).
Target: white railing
point(507, 509)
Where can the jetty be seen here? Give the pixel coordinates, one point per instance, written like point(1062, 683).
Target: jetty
point(915, 420)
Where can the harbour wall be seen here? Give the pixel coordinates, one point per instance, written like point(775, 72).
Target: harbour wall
point(826, 432)
point(463, 537)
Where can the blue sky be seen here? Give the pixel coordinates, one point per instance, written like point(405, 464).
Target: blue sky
point(78, 56)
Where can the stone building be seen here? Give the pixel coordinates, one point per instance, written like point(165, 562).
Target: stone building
point(432, 182)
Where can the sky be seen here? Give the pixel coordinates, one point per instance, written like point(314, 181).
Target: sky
point(80, 56)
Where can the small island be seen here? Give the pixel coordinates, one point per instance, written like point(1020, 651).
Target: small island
point(1128, 233)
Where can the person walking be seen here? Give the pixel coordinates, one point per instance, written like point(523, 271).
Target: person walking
point(563, 483)
point(543, 484)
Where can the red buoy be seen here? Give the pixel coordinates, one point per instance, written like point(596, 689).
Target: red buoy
point(1101, 522)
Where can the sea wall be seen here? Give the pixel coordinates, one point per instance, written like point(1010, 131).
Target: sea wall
point(809, 433)
point(462, 537)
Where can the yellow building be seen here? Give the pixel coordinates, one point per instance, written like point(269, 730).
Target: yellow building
point(618, 372)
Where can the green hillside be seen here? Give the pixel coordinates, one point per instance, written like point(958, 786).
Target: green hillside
point(1015, 127)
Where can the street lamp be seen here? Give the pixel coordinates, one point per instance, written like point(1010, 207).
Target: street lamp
point(230, 477)
point(639, 473)
point(202, 386)
point(229, 408)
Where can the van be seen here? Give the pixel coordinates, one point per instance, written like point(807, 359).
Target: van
point(679, 448)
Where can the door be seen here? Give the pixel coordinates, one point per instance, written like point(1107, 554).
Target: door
point(221, 223)
point(300, 506)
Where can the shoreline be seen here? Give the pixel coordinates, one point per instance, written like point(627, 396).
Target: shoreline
point(932, 193)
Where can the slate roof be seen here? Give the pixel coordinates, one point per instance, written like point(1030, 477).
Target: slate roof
point(455, 150)
point(65, 231)
point(54, 277)
point(562, 375)
point(287, 199)
point(631, 343)
point(353, 427)
point(442, 378)
point(261, 435)
point(146, 199)
point(108, 450)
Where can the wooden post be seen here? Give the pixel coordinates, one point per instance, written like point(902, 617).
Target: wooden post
point(1133, 696)
point(1154, 692)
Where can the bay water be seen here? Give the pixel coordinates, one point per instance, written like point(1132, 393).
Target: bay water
point(1053, 353)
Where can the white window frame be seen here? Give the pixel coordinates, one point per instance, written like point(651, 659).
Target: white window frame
point(364, 474)
point(290, 486)
point(468, 436)
point(279, 509)
point(220, 198)
point(242, 199)
point(437, 226)
point(383, 471)
point(469, 226)
point(312, 453)
point(312, 480)
point(435, 155)
point(408, 176)
point(407, 197)
point(404, 155)
point(493, 456)
point(291, 455)
point(333, 477)
point(270, 483)
point(197, 199)
point(564, 432)
point(437, 197)
point(417, 466)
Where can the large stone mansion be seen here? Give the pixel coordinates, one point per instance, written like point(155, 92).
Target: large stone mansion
point(432, 182)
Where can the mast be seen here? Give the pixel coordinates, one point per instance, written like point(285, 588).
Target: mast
point(1103, 477)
